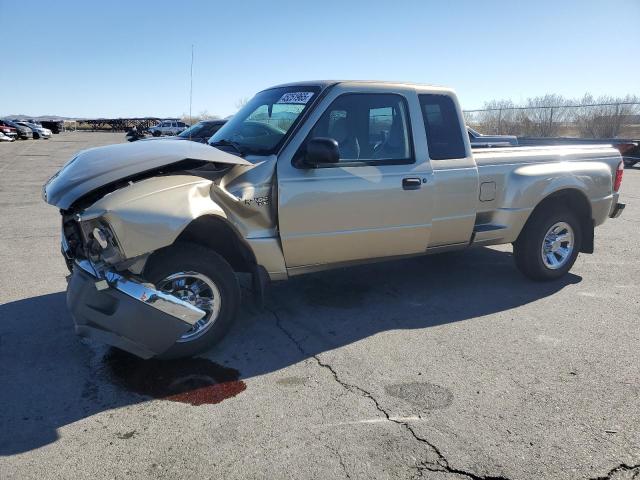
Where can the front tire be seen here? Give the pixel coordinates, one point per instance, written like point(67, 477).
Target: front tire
point(549, 244)
point(202, 277)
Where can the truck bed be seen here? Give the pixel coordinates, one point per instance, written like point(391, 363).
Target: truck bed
point(545, 154)
point(512, 181)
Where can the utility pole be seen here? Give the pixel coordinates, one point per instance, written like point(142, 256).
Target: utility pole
point(191, 86)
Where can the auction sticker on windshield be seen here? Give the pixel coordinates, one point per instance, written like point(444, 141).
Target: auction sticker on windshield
point(296, 97)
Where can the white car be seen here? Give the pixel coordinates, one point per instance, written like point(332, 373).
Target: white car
point(168, 127)
point(38, 130)
point(5, 138)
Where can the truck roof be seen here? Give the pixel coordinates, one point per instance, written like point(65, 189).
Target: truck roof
point(327, 83)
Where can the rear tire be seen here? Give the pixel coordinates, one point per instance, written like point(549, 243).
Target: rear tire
point(195, 260)
point(560, 229)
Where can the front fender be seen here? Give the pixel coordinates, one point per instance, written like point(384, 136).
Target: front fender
point(151, 214)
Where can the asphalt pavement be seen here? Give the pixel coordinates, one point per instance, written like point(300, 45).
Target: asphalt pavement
point(449, 366)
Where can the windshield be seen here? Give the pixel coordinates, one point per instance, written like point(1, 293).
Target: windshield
point(263, 124)
point(202, 129)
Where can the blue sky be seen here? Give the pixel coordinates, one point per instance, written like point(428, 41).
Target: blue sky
point(116, 58)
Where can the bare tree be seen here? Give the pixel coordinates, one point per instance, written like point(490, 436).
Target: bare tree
point(544, 115)
point(498, 117)
point(203, 115)
point(605, 116)
point(241, 102)
point(553, 115)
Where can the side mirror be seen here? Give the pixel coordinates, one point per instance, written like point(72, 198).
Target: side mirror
point(321, 150)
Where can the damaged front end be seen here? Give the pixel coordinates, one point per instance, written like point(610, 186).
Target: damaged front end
point(112, 304)
point(125, 312)
point(118, 206)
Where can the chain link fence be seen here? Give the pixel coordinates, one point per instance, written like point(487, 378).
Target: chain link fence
point(584, 120)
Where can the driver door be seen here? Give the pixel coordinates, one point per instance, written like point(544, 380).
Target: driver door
point(375, 202)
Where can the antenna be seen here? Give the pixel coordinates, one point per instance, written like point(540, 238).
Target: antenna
point(191, 86)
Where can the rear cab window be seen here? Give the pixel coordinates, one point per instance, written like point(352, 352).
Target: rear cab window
point(442, 126)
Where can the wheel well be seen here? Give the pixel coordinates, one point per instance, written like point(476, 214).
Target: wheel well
point(218, 235)
point(578, 203)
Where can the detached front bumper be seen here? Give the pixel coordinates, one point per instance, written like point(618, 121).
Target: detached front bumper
point(127, 314)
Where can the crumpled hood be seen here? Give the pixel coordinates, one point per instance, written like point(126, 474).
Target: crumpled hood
point(96, 167)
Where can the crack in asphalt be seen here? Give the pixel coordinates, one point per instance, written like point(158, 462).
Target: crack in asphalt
point(623, 467)
point(336, 452)
point(440, 465)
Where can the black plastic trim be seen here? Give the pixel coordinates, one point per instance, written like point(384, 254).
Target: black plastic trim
point(617, 210)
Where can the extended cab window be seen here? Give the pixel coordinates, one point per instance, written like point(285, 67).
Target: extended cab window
point(444, 134)
point(368, 128)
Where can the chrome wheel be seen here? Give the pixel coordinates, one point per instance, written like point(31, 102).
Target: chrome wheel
point(199, 290)
point(558, 245)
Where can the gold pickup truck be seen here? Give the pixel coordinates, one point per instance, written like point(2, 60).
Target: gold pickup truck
point(306, 177)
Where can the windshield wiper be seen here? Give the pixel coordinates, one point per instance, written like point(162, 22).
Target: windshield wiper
point(228, 143)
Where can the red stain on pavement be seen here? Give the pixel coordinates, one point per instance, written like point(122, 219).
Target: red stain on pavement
point(196, 381)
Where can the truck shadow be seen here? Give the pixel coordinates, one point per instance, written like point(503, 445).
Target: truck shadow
point(51, 379)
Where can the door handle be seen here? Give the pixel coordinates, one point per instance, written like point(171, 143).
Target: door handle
point(411, 183)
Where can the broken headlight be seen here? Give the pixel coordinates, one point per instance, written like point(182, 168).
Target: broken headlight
point(101, 243)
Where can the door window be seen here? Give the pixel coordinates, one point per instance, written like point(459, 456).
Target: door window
point(369, 128)
point(442, 125)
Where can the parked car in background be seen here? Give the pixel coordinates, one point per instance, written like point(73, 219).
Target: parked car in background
point(5, 138)
point(479, 140)
point(56, 126)
point(135, 133)
point(307, 177)
point(8, 131)
point(202, 131)
point(169, 126)
point(38, 130)
point(26, 120)
point(630, 152)
point(22, 132)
